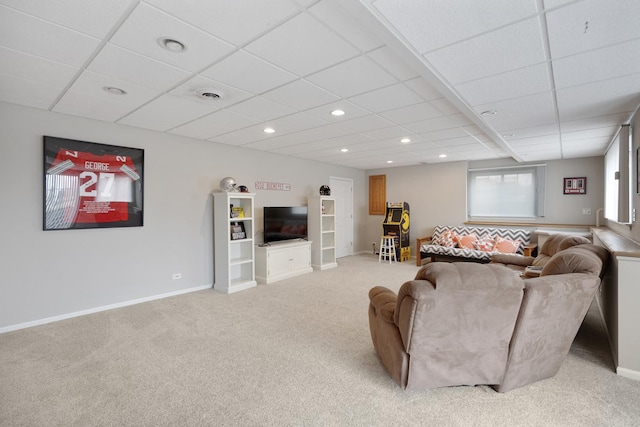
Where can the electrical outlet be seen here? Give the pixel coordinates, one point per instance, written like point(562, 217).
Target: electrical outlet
point(177, 276)
point(586, 211)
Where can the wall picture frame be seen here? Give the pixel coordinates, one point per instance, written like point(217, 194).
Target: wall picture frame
point(91, 185)
point(575, 185)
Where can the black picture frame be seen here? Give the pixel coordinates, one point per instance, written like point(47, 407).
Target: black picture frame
point(237, 230)
point(91, 185)
point(575, 185)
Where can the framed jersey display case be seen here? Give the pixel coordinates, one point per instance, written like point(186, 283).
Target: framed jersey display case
point(91, 185)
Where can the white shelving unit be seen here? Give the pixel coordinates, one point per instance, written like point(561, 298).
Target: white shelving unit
point(322, 232)
point(234, 258)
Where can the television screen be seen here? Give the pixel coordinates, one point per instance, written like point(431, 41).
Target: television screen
point(285, 223)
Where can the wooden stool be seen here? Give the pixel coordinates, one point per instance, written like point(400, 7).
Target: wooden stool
point(388, 248)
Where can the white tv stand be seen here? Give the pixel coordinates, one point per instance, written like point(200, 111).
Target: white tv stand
point(282, 260)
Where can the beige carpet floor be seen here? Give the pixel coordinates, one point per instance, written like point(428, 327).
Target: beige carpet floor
point(295, 352)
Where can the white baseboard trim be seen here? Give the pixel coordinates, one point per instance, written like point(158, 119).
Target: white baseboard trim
point(52, 319)
point(628, 373)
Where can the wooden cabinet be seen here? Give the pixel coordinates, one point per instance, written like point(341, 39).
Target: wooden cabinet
point(322, 231)
point(234, 268)
point(280, 261)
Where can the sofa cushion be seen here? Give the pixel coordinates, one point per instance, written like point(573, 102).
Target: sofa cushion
point(507, 246)
point(485, 244)
point(467, 241)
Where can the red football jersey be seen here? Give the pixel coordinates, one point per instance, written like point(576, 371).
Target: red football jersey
point(90, 188)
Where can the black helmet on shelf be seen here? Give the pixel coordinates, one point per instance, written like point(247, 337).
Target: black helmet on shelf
point(325, 190)
point(243, 189)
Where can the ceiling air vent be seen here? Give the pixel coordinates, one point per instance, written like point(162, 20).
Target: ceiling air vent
point(209, 94)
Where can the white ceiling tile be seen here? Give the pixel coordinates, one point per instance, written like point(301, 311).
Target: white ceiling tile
point(595, 122)
point(302, 46)
point(34, 36)
point(387, 98)
point(27, 92)
point(229, 95)
point(350, 29)
point(93, 17)
point(444, 134)
point(412, 113)
point(598, 142)
point(390, 61)
point(353, 77)
point(600, 132)
point(166, 112)
point(29, 67)
point(516, 46)
point(439, 123)
point(298, 122)
point(238, 137)
point(140, 34)
point(367, 123)
point(601, 98)
point(387, 133)
point(596, 65)
point(122, 64)
point(532, 110)
point(512, 84)
point(261, 108)
point(301, 95)
point(82, 105)
point(237, 21)
point(249, 73)
point(214, 124)
point(592, 24)
point(93, 84)
point(444, 106)
point(424, 89)
point(351, 111)
point(434, 24)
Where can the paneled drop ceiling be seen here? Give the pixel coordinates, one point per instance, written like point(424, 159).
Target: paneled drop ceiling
point(469, 79)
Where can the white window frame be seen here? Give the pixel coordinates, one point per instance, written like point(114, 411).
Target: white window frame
point(501, 199)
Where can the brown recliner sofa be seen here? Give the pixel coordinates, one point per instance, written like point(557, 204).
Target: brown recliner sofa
point(554, 244)
point(471, 324)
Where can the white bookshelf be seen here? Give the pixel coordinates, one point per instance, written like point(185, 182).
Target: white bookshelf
point(234, 256)
point(322, 232)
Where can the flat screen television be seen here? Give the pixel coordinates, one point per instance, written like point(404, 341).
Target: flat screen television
point(284, 223)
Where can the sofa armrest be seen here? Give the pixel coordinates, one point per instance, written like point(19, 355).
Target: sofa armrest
point(383, 301)
point(513, 259)
point(419, 242)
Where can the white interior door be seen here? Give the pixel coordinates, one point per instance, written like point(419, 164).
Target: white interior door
point(342, 191)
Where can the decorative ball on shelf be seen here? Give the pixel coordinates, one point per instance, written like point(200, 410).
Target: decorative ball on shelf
point(228, 184)
point(243, 189)
point(325, 190)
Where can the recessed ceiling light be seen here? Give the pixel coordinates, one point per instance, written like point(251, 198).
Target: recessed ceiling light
point(172, 45)
point(442, 156)
point(389, 161)
point(344, 150)
point(489, 113)
point(209, 94)
point(114, 90)
point(405, 140)
point(269, 130)
point(337, 113)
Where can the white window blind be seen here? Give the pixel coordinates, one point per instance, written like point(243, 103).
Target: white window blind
point(617, 177)
point(507, 192)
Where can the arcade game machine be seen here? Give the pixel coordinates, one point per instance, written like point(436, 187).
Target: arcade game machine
point(396, 223)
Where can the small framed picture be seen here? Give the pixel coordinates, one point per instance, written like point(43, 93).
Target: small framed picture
point(237, 231)
point(575, 185)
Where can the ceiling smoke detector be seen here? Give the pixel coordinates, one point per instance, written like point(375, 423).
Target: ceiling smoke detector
point(209, 94)
point(172, 45)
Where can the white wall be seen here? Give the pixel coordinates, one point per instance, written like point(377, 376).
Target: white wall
point(55, 273)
